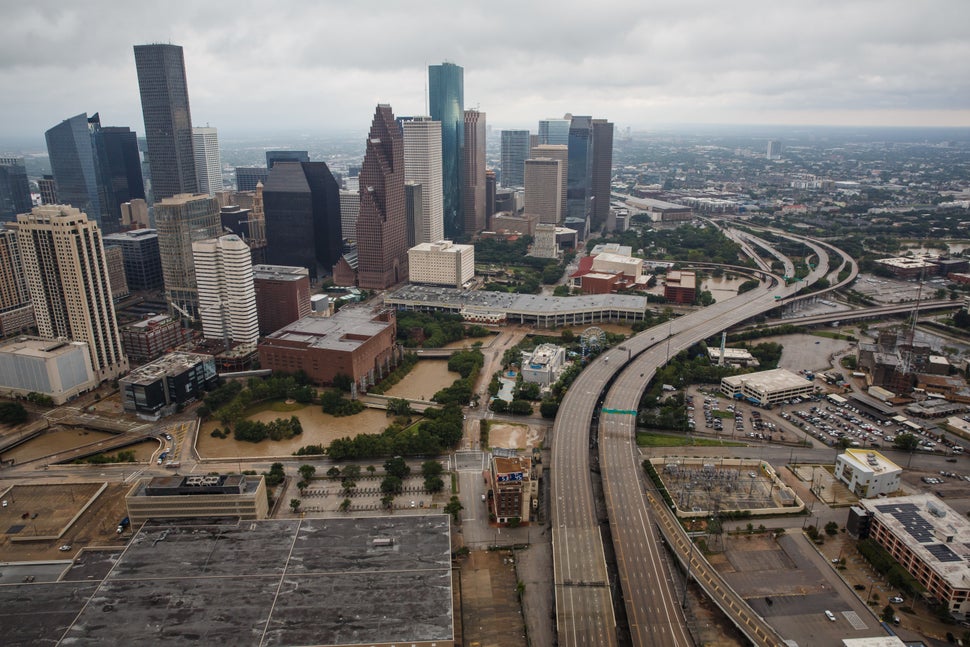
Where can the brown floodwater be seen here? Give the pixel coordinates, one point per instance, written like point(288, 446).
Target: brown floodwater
point(426, 378)
point(53, 442)
point(469, 342)
point(319, 428)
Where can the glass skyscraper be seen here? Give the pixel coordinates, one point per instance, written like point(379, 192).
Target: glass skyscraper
point(168, 120)
point(14, 188)
point(515, 150)
point(554, 131)
point(578, 181)
point(446, 100)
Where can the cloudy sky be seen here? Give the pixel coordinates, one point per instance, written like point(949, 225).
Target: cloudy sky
point(320, 66)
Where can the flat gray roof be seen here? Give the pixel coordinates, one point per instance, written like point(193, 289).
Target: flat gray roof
point(529, 304)
point(292, 582)
point(333, 332)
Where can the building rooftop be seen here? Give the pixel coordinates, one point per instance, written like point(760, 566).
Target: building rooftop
point(151, 322)
point(612, 248)
point(279, 273)
point(777, 379)
point(346, 330)
point(869, 461)
point(904, 262)
point(171, 364)
point(528, 304)
point(40, 348)
point(348, 581)
point(134, 234)
point(681, 278)
point(934, 531)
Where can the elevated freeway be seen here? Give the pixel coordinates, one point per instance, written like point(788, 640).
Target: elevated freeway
point(873, 312)
point(585, 615)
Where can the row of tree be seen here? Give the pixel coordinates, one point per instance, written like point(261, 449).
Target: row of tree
point(440, 430)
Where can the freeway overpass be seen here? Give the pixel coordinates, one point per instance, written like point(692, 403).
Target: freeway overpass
point(873, 312)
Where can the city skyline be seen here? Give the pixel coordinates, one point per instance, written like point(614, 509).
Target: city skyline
point(865, 63)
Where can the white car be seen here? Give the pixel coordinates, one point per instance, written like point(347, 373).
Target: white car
point(65, 548)
point(830, 615)
point(896, 600)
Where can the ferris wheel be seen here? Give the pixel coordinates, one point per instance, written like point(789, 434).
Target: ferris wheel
point(592, 339)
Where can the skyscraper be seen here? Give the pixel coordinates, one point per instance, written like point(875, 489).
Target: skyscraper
point(247, 177)
point(446, 99)
point(557, 152)
point(515, 150)
point(64, 262)
point(14, 188)
point(543, 189)
point(16, 313)
point(180, 221)
point(208, 163)
point(382, 222)
point(473, 173)
point(168, 120)
point(422, 164)
point(413, 210)
point(76, 168)
point(490, 188)
point(601, 173)
point(227, 298)
point(301, 202)
point(96, 169)
point(349, 208)
point(554, 131)
point(578, 180)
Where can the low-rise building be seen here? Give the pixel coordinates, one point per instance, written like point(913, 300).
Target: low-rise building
point(282, 295)
point(150, 338)
point(767, 387)
point(198, 497)
point(157, 389)
point(441, 263)
point(928, 538)
point(732, 357)
point(57, 368)
point(544, 364)
point(358, 342)
point(680, 287)
point(513, 488)
point(867, 473)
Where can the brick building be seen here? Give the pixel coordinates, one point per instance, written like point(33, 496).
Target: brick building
point(511, 481)
point(681, 287)
point(282, 295)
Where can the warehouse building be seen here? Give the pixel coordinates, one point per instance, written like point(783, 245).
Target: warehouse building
point(767, 387)
point(197, 497)
point(57, 368)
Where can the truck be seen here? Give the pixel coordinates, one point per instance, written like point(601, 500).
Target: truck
point(124, 523)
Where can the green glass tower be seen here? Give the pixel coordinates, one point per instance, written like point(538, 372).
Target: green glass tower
point(446, 99)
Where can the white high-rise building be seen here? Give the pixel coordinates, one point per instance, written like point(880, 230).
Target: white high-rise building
point(227, 298)
point(543, 189)
point(67, 276)
point(208, 163)
point(422, 164)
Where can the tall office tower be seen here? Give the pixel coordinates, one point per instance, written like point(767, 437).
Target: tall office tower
point(601, 173)
point(114, 259)
point(578, 178)
point(208, 162)
point(247, 177)
point(422, 164)
point(63, 259)
point(446, 98)
point(227, 298)
point(382, 240)
point(181, 220)
point(257, 223)
point(143, 262)
point(272, 157)
point(76, 167)
point(16, 313)
point(96, 169)
point(473, 173)
point(490, 188)
point(302, 206)
point(48, 190)
point(773, 151)
point(554, 131)
point(543, 189)
point(349, 208)
point(413, 210)
point(168, 120)
point(14, 188)
point(557, 152)
point(515, 150)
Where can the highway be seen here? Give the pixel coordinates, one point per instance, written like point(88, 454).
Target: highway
point(583, 606)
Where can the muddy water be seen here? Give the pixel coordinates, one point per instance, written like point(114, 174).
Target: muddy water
point(54, 442)
point(318, 429)
point(469, 342)
point(722, 288)
point(426, 378)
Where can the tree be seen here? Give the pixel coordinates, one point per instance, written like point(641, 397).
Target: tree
point(434, 484)
point(832, 528)
point(548, 409)
point(307, 472)
point(399, 407)
point(392, 485)
point(294, 504)
point(520, 407)
point(454, 508)
point(333, 472)
point(371, 469)
point(345, 505)
point(398, 467)
point(275, 476)
point(12, 413)
point(348, 486)
point(906, 441)
point(431, 468)
point(887, 614)
point(343, 382)
point(387, 501)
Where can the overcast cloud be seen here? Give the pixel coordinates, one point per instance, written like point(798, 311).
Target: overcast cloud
point(321, 66)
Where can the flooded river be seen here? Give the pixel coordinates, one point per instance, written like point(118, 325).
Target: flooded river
point(426, 378)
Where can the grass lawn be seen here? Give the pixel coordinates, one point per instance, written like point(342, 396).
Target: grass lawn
point(664, 440)
point(275, 405)
point(723, 414)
